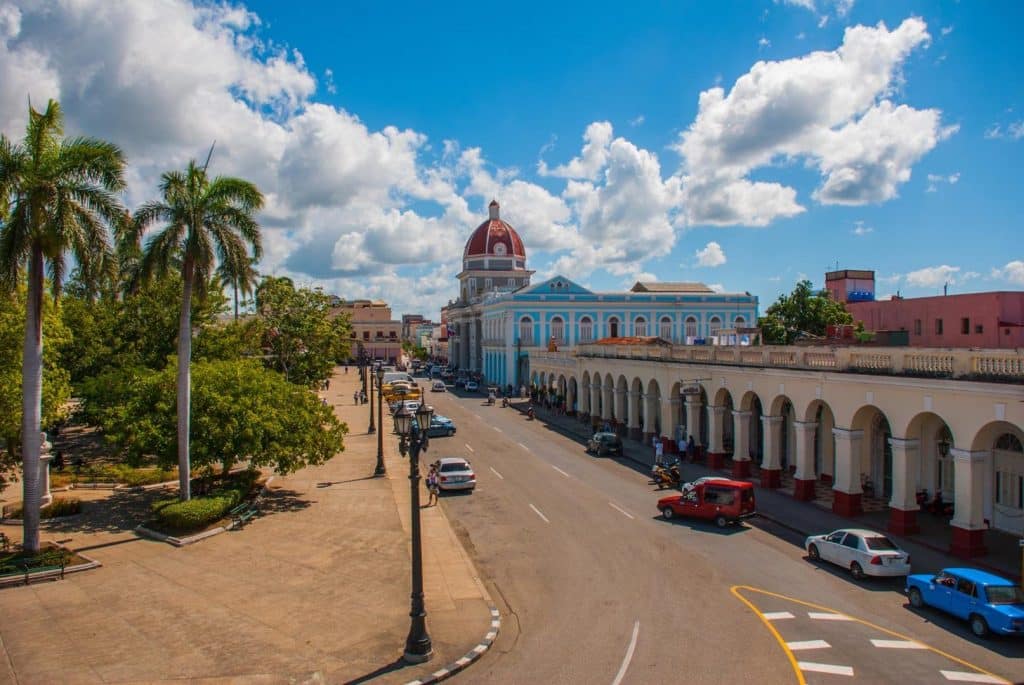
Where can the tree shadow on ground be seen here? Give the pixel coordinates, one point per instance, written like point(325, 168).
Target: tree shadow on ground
point(118, 513)
point(282, 501)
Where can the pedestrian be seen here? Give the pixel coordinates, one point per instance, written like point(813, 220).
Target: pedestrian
point(691, 449)
point(658, 451)
point(432, 486)
point(327, 384)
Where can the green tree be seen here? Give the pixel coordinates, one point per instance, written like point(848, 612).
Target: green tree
point(58, 196)
point(303, 339)
point(203, 220)
point(243, 412)
point(241, 277)
point(802, 312)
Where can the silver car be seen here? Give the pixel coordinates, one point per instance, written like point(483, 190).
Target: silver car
point(863, 552)
point(455, 473)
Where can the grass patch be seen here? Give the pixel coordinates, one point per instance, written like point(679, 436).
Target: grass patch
point(49, 555)
point(111, 473)
point(174, 517)
point(60, 506)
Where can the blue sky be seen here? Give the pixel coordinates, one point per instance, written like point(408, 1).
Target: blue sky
point(742, 144)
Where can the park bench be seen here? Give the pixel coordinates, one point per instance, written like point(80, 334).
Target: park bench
point(48, 562)
point(242, 512)
point(5, 543)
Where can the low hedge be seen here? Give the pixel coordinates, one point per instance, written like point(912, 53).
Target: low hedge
point(173, 515)
point(60, 506)
point(111, 473)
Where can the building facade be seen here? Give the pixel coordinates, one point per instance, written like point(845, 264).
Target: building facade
point(374, 331)
point(991, 320)
point(500, 319)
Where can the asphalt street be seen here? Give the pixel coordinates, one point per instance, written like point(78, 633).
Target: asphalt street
point(595, 587)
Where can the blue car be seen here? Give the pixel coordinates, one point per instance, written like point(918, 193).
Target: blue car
point(991, 604)
point(440, 425)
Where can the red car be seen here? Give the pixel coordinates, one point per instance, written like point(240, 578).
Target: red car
point(721, 500)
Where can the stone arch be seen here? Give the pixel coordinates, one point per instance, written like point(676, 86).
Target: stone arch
point(1004, 499)
point(823, 448)
point(584, 399)
point(572, 396)
point(726, 425)
point(751, 402)
point(876, 450)
point(934, 436)
point(783, 436)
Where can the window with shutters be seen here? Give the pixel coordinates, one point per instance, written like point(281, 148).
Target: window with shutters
point(586, 329)
point(665, 329)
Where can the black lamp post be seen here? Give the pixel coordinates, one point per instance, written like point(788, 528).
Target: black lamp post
point(380, 470)
point(369, 379)
point(417, 645)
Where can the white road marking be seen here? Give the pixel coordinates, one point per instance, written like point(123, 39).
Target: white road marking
point(898, 644)
point(494, 427)
point(828, 616)
point(776, 615)
point(523, 446)
point(537, 511)
point(496, 473)
point(560, 471)
point(808, 644)
point(967, 677)
point(622, 511)
point(470, 448)
point(629, 655)
point(825, 668)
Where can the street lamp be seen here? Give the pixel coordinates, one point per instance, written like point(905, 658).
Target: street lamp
point(412, 437)
point(369, 377)
point(380, 470)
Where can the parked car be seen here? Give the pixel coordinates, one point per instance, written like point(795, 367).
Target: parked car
point(460, 381)
point(603, 444)
point(472, 386)
point(438, 386)
point(440, 425)
point(410, 405)
point(990, 604)
point(722, 501)
point(455, 473)
point(863, 552)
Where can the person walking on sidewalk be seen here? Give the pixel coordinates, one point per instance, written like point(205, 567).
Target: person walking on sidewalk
point(432, 485)
point(658, 451)
point(355, 397)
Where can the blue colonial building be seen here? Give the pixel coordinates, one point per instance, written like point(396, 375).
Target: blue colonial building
point(500, 317)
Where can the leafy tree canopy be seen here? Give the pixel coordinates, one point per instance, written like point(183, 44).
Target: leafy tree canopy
point(801, 312)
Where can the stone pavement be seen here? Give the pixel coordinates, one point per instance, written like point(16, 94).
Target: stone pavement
point(929, 547)
point(316, 589)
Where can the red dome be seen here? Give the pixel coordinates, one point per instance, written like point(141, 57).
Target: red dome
point(494, 237)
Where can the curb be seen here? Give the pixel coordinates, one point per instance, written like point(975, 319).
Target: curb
point(470, 656)
point(29, 578)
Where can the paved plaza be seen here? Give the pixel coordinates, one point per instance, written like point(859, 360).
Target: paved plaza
point(316, 589)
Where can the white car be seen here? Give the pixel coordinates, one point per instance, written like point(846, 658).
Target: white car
point(455, 473)
point(410, 405)
point(863, 552)
point(472, 386)
point(438, 386)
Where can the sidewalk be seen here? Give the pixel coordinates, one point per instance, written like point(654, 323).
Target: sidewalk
point(315, 589)
point(930, 546)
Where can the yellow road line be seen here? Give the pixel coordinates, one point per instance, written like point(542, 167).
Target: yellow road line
point(782, 643)
point(935, 650)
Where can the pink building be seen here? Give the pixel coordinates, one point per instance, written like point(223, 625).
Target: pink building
point(988, 320)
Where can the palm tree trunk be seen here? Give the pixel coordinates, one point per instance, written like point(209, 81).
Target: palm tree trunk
point(32, 401)
point(236, 301)
point(185, 382)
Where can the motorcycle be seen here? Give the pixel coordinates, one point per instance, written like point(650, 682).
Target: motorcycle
point(504, 402)
point(665, 477)
point(529, 414)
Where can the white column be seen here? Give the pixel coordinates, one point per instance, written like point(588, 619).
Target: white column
point(847, 476)
point(969, 479)
point(716, 414)
point(906, 460)
point(693, 405)
point(771, 459)
point(805, 449)
point(633, 423)
point(741, 435)
point(668, 417)
point(44, 470)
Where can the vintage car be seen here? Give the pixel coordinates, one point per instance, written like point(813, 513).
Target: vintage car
point(990, 604)
point(722, 500)
point(440, 425)
point(603, 444)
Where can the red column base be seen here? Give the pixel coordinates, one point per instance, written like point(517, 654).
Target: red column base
point(771, 478)
point(716, 460)
point(803, 490)
point(968, 543)
point(903, 521)
point(741, 468)
point(847, 504)
point(825, 478)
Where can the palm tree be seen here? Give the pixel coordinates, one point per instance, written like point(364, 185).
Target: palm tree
point(59, 197)
point(242, 278)
point(204, 221)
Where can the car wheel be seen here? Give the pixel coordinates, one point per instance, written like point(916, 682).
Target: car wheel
point(812, 553)
point(856, 571)
point(667, 513)
point(451, 432)
point(979, 626)
point(916, 600)
point(721, 521)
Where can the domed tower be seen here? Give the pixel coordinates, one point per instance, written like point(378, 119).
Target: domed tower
point(494, 259)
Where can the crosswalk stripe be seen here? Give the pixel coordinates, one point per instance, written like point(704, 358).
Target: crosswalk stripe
point(828, 616)
point(807, 644)
point(776, 615)
point(967, 677)
point(898, 644)
point(825, 668)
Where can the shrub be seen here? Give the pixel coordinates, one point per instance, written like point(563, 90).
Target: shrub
point(61, 506)
point(199, 512)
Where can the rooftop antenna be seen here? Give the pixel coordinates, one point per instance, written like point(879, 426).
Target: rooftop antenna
point(209, 155)
point(945, 288)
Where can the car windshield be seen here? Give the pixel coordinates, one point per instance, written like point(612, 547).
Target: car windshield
point(1005, 594)
point(456, 466)
point(880, 544)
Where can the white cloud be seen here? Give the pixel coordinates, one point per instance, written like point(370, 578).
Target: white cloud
point(840, 7)
point(946, 30)
point(892, 279)
point(1012, 272)
point(592, 159)
point(717, 287)
point(1013, 131)
point(711, 255)
point(637, 120)
point(860, 229)
point(934, 180)
point(933, 276)
point(801, 35)
point(831, 109)
point(774, 279)
point(763, 43)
